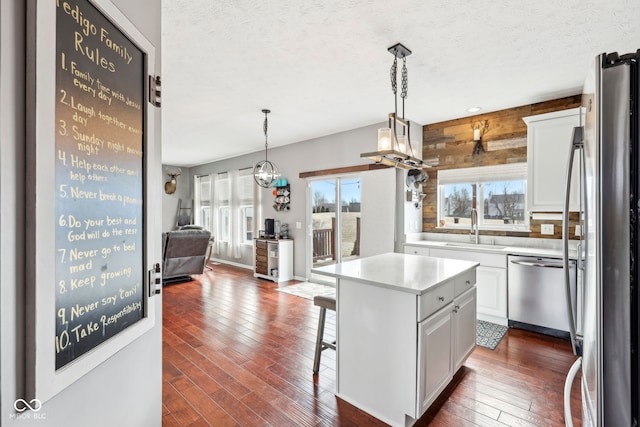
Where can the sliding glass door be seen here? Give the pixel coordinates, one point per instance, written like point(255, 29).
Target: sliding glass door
point(334, 221)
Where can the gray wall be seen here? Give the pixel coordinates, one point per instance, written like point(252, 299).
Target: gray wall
point(170, 202)
point(332, 151)
point(126, 390)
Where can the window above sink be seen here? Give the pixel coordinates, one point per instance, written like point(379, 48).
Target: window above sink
point(499, 193)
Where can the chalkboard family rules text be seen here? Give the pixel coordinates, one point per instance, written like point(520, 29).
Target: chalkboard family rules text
point(99, 116)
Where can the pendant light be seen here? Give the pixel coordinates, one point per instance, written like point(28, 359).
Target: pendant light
point(394, 145)
point(265, 172)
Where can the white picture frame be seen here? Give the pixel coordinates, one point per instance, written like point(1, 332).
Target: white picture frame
point(43, 380)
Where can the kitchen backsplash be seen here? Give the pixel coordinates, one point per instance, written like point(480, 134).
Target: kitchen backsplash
point(504, 142)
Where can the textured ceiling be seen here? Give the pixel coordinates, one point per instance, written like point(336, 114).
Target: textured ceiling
point(322, 66)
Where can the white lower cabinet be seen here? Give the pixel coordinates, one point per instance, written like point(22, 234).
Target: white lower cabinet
point(445, 340)
point(464, 327)
point(491, 282)
point(434, 357)
point(492, 293)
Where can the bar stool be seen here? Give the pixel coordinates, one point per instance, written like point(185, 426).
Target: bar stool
point(324, 302)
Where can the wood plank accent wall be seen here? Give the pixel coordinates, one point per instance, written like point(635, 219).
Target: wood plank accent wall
point(504, 142)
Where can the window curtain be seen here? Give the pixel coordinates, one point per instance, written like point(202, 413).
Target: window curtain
point(234, 190)
point(219, 199)
point(246, 200)
point(233, 247)
point(202, 198)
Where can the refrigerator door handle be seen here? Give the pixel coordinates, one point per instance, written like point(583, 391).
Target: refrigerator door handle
point(568, 383)
point(576, 144)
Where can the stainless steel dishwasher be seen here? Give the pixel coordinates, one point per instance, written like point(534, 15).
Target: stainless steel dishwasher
point(537, 297)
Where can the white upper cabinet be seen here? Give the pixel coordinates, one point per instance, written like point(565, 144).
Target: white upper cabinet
point(548, 148)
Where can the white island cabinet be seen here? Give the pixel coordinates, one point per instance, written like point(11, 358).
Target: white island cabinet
point(405, 325)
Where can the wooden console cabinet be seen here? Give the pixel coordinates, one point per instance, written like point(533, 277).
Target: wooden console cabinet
point(273, 259)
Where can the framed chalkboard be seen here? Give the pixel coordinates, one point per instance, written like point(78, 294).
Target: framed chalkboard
point(88, 156)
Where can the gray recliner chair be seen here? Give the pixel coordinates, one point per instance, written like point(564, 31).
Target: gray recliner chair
point(183, 254)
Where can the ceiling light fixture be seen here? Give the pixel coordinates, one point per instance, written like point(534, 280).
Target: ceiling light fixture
point(473, 109)
point(265, 172)
point(395, 149)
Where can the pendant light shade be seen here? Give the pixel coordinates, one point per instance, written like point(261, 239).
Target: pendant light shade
point(265, 172)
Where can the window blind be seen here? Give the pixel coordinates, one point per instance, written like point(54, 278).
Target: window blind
point(508, 172)
point(222, 189)
point(245, 187)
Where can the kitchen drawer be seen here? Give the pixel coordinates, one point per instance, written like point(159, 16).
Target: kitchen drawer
point(434, 299)
point(416, 250)
point(464, 282)
point(261, 244)
point(261, 258)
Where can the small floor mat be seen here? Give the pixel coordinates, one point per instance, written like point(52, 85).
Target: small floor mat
point(489, 334)
point(308, 290)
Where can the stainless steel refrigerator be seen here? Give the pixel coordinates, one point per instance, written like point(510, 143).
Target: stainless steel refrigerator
point(608, 144)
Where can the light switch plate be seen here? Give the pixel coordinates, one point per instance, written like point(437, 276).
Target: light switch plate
point(546, 229)
point(578, 231)
point(298, 225)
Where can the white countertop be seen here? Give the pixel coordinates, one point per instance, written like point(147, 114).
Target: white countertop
point(496, 249)
point(404, 272)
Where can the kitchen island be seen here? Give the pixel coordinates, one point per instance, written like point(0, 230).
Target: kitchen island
point(405, 325)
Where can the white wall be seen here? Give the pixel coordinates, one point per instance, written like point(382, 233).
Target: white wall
point(378, 212)
point(328, 152)
point(126, 390)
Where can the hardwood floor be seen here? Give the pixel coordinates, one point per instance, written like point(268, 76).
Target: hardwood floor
point(236, 352)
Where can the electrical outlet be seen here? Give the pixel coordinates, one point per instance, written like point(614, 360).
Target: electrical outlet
point(298, 225)
point(546, 229)
point(578, 231)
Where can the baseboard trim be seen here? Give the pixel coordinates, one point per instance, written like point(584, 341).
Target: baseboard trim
point(235, 264)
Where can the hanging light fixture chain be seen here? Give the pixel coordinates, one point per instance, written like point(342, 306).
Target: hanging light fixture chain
point(405, 85)
point(394, 73)
point(405, 78)
point(265, 127)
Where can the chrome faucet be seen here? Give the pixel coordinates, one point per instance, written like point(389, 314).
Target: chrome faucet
point(474, 232)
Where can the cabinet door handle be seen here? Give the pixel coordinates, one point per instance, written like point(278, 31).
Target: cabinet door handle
point(468, 282)
point(457, 307)
point(440, 298)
